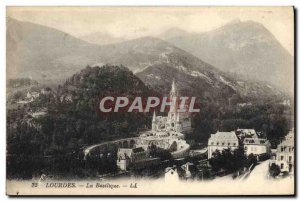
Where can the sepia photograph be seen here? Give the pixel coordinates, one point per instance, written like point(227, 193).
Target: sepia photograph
point(150, 101)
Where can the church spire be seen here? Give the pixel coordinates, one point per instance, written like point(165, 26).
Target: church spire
point(173, 90)
point(154, 117)
point(177, 118)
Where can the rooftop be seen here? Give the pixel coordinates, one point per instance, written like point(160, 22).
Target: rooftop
point(224, 135)
point(256, 141)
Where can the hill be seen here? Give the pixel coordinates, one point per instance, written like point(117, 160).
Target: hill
point(246, 48)
point(51, 141)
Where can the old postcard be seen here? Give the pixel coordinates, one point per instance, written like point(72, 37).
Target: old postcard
point(150, 101)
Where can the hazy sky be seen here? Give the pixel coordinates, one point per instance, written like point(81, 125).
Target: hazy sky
point(132, 22)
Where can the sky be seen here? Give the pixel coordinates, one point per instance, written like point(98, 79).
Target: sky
point(133, 22)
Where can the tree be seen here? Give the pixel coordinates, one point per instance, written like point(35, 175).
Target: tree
point(157, 152)
point(228, 160)
point(274, 170)
point(205, 174)
point(251, 159)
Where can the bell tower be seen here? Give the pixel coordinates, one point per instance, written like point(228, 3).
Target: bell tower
point(172, 115)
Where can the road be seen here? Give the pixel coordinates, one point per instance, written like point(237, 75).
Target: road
point(260, 172)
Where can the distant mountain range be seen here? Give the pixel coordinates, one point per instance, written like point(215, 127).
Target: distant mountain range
point(101, 38)
point(246, 48)
point(47, 54)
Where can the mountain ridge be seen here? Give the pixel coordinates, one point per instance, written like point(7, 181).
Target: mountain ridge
point(57, 60)
point(242, 47)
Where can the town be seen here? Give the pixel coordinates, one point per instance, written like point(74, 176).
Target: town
point(164, 151)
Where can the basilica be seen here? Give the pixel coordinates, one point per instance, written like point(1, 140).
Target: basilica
point(176, 122)
point(167, 133)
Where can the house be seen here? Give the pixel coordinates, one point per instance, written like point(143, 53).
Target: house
point(286, 102)
point(171, 174)
point(33, 95)
point(66, 98)
point(285, 154)
point(222, 140)
point(246, 133)
point(256, 146)
point(46, 91)
point(128, 156)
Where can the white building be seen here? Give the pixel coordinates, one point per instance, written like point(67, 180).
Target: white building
point(171, 175)
point(221, 141)
point(32, 95)
point(256, 146)
point(129, 156)
point(285, 154)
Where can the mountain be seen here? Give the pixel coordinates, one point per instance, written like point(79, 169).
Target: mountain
point(44, 53)
point(246, 48)
point(203, 81)
point(101, 38)
point(138, 53)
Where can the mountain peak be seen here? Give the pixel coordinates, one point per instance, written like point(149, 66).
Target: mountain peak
point(243, 47)
point(247, 27)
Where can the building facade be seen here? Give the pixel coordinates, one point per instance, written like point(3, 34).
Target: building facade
point(222, 140)
point(171, 175)
point(128, 156)
point(285, 154)
point(166, 133)
point(256, 146)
